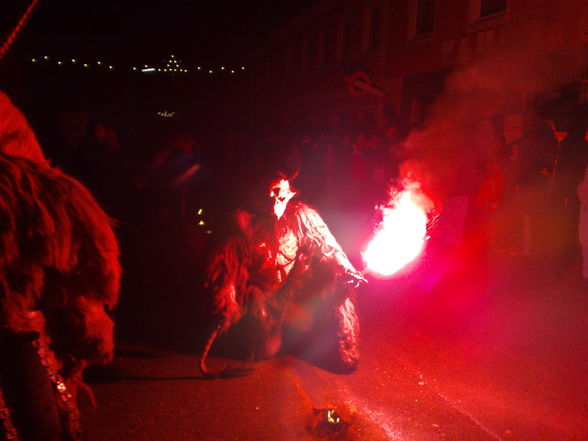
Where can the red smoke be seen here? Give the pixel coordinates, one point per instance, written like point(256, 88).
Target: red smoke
point(460, 131)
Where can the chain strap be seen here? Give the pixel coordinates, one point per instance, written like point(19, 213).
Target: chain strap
point(10, 433)
point(68, 409)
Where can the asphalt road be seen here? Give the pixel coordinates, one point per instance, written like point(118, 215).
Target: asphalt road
point(458, 351)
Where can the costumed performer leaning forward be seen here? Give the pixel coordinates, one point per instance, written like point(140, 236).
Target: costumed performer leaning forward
point(288, 275)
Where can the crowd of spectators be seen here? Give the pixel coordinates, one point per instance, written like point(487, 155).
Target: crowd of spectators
point(157, 180)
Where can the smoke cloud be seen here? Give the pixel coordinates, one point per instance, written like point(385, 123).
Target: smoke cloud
point(463, 129)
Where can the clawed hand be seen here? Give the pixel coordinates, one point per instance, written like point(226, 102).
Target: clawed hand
point(354, 278)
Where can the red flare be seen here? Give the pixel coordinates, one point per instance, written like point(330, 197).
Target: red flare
point(400, 236)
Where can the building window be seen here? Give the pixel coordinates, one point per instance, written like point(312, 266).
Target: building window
point(345, 40)
point(288, 64)
point(374, 29)
point(491, 7)
point(312, 54)
point(416, 112)
point(328, 46)
point(421, 19)
point(481, 9)
point(425, 16)
point(301, 57)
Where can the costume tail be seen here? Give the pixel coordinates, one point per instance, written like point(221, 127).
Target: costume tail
point(209, 343)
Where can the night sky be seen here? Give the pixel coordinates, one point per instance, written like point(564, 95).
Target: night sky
point(198, 30)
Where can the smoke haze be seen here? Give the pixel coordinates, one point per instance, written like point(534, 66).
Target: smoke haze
point(463, 128)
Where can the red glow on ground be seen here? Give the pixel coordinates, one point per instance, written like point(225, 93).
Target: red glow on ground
point(400, 236)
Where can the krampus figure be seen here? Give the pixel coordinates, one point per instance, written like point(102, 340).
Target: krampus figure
point(59, 278)
point(290, 276)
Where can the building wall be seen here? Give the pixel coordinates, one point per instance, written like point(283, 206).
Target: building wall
point(302, 69)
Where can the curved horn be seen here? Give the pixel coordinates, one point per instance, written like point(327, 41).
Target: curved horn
point(295, 175)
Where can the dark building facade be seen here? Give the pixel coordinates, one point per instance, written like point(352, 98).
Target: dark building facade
point(385, 62)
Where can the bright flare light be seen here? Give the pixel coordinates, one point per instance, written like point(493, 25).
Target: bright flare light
point(401, 235)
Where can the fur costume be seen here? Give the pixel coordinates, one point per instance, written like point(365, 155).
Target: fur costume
point(59, 266)
point(292, 277)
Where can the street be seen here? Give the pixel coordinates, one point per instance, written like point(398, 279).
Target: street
point(462, 355)
point(177, 169)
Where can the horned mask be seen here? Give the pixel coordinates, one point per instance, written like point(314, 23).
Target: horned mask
point(281, 193)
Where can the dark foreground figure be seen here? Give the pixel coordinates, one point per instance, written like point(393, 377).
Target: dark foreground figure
point(59, 278)
point(287, 277)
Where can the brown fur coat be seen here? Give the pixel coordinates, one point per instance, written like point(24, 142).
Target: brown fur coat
point(59, 258)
